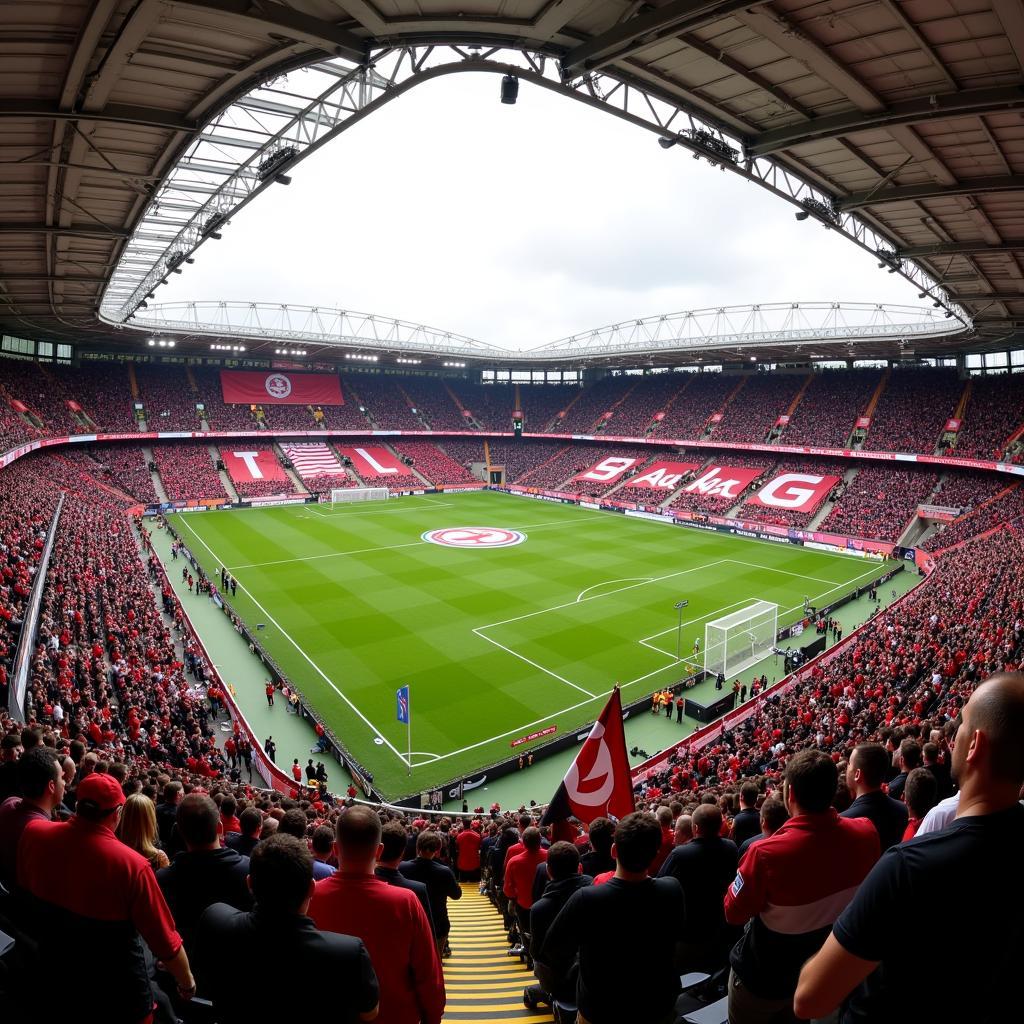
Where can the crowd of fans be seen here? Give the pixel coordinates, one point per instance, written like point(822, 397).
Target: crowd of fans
point(167, 398)
point(464, 451)
point(491, 405)
point(967, 490)
point(434, 464)
point(433, 404)
point(46, 397)
point(793, 517)
point(752, 414)
point(186, 471)
point(701, 395)
point(913, 409)
point(160, 837)
point(124, 467)
point(586, 414)
point(1007, 508)
point(520, 460)
point(994, 413)
point(880, 503)
point(830, 407)
point(386, 406)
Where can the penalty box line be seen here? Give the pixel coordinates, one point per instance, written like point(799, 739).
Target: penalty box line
point(319, 671)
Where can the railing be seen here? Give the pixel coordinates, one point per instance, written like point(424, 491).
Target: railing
point(18, 689)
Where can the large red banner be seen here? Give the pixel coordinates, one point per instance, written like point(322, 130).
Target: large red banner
point(248, 387)
point(609, 469)
point(250, 463)
point(726, 482)
point(373, 460)
point(663, 476)
point(796, 492)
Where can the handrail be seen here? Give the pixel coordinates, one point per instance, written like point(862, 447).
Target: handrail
point(18, 689)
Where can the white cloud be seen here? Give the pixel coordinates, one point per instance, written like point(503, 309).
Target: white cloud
point(521, 224)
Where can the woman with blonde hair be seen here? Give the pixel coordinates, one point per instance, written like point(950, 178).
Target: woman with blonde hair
point(137, 830)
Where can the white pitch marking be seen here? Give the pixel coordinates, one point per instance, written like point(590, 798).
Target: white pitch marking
point(540, 668)
point(313, 664)
point(381, 511)
point(625, 579)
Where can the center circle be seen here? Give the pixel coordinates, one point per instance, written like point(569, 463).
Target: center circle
point(474, 537)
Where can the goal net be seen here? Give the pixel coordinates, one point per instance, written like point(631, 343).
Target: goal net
point(741, 639)
point(342, 494)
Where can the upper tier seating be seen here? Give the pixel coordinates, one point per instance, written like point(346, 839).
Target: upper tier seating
point(913, 410)
point(167, 397)
point(830, 407)
point(1007, 508)
point(702, 395)
point(433, 403)
point(585, 415)
point(757, 407)
point(995, 411)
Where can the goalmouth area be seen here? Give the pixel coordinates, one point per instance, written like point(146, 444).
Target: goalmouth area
point(505, 616)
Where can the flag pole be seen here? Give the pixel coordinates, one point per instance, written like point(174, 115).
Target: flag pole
point(408, 731)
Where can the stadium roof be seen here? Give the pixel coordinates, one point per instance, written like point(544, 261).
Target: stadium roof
point(899, 124)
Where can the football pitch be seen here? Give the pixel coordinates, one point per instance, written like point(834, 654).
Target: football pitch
point(494, 642)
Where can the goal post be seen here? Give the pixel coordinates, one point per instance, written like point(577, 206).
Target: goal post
point(735, 642)
point(340, 495)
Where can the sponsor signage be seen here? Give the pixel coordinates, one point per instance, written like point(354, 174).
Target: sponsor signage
point(725, 482)
point(863, 422)
point(609, 469)
point(534, 736)
point(795, 492)
point(663, 476)
point(952, 425)
point(782, 421)
point(716, 418)
point(280, 387)
point(943, 513)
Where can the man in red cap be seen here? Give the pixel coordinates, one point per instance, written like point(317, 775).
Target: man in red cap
point(89, 892)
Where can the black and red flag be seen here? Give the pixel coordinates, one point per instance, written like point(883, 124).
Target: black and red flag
point(598, 782)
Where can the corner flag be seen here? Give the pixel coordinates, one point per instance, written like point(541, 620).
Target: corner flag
point(402, 697)
point(598, 782)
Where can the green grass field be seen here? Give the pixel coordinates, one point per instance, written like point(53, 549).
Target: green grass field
point(495, 643)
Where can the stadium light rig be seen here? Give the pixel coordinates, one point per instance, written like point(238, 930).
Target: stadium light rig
point(456, 366)
point(824, 211)
point(362, 357)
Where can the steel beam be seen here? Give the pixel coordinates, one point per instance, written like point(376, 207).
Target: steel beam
point(276, 18)
point(960, 248)
point(78, 231)
point(645, 30)
point(932, 190)
point(115, 113)
point(965, 103)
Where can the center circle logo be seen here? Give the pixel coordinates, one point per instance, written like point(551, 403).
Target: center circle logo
point(278, 385)
point(474, 537)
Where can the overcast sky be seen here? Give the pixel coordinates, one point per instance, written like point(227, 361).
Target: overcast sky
point(521, 224)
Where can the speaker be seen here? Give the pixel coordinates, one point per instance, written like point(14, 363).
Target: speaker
point(509, 89)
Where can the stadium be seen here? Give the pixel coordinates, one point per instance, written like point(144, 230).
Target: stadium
point(447, 672)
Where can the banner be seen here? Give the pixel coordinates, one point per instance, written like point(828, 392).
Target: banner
point(608, 470)
point(534, 736)
point(943, 513)
point(247, 387)
point(724, 482)
point(312, 460)
point(863, 422)
point(374, 460)
point(782, 421)
point(245, 464)
point(952, 426)
point(663, 476)
point(795, 492)
point(598, 782)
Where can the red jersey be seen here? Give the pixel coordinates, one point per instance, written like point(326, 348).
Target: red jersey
point(520, 872)
point(468, 842)
point(394, 928)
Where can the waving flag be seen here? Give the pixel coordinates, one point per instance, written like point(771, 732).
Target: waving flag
point(598, 783)
point(403, 705)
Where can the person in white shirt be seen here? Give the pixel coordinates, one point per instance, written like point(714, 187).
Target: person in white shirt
point(940, 817)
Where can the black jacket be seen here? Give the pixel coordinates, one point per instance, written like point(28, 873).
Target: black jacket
point(889, 816)
point(198, 879)
point(441, 886)
point(228, 942)
point(542, 914)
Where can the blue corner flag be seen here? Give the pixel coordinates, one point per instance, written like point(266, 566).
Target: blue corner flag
point(403, 705)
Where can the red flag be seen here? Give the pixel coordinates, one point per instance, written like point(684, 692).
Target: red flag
point(598, 783)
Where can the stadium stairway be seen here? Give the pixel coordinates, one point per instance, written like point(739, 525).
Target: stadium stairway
point(484, 984)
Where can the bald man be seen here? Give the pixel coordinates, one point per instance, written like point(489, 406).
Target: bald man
point(970, 873)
